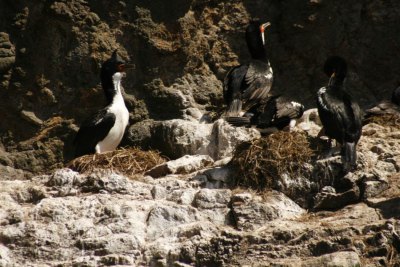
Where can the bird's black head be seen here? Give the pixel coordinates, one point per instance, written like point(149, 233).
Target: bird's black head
point(255, 38)
point(112, 66)
point(335, 66)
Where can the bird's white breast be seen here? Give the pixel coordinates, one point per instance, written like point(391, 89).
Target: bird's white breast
point(114, 136)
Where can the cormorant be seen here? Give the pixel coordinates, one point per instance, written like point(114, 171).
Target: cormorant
point(104, 130)
point(276, 112)
point(247, 84)
point(341, 117)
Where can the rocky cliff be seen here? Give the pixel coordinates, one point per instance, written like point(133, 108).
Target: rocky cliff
point(186, 212)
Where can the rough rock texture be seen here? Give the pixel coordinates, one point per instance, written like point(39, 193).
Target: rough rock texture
point(50, 57)
point(178, 137)
point(188, 215)
point(105, 219)
point(51, 51)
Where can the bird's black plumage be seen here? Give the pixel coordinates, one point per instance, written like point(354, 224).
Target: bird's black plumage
point(247, 84)
point(103, 130)
point(341, 117)
point(277, 112)
point(93, 130)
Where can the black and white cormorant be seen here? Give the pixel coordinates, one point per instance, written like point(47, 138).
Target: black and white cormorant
point(341, 117)
point(277, 112)
point(104, 130)
point(247, 84)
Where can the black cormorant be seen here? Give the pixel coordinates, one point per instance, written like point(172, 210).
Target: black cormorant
point(341, 117)
point(247, 84)
point(276, 112)
point(104, 130)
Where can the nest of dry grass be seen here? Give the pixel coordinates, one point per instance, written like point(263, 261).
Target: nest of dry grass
point(260, 163)
point(129, 162)
point(386, 120)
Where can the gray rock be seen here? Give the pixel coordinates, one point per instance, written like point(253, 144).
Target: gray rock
point(176, 138)
point(215, 178)
point(184, 165)
point(328, 200)
point(251, 213)
point(338, 259)
point(225, 137)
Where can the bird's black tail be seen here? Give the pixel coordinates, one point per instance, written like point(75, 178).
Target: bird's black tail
point(238, 121)
point(349, 156)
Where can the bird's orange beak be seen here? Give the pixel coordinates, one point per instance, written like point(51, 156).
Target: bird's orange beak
point(262, 29)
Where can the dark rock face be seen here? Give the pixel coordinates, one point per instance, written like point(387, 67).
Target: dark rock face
point(51, 52)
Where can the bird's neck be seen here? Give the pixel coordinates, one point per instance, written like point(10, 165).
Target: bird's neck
point(336, 81)
point(112, 90)
point(256, 47)
point(108, 88)
point(117, 98)
point(258, 53)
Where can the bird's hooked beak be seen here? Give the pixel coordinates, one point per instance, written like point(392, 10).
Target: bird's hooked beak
point(123, 66)
point(262, 29)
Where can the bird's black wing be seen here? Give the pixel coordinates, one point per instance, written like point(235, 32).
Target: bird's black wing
point(258, 83)
point(93, 130)
point(264, 112)
point(288, 109)
point(232, 89)
point(353, 121)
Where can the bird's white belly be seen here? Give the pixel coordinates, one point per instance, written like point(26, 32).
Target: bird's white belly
point(116, 133)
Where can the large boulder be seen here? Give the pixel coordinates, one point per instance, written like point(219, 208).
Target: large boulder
point(176, 138)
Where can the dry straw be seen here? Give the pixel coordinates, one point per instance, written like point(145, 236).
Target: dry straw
point(130, 161)
point(261, 162)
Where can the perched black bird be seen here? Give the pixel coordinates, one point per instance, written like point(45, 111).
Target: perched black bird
point(277, 112)
point(341, 117)
point(104, 130)
point(247, 84)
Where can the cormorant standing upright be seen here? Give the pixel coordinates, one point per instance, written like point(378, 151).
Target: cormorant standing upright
point(341, 117)
point(247, 84)
point(104, 130)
